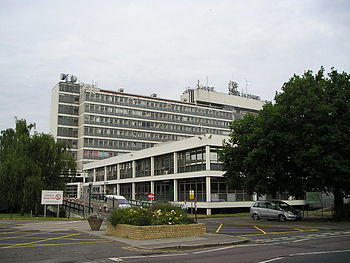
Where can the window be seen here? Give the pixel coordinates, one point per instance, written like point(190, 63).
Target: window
point(143, 167)
point(164, 164)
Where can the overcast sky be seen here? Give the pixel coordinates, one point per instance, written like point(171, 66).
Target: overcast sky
point(162, 47)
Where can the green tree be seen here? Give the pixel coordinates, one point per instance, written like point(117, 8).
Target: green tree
point(300, 143)
point(30, 163)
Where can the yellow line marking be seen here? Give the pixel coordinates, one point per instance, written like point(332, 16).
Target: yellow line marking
point(61, 244)
point(219, 228)
point(262, 231)
point(33, 234)
point(39, 241)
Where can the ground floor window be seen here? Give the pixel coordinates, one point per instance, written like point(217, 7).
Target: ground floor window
point(164, 190)
point(142, 190)
point(126, 191)
point(196, 184)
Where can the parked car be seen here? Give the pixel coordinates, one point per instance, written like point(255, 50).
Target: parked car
point(116, 201)
point(274, 210)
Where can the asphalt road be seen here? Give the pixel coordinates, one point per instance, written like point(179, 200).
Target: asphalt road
point(330, 249)
point(271, 241)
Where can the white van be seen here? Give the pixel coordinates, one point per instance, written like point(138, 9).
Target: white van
point(116, 201)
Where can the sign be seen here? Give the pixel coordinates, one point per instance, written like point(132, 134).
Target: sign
point(313, 197)
point(51, 197)
point(150, 196)
point(191, 194)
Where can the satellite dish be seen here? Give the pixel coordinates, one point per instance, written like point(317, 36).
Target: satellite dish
point(73, 79)
point(63, 76)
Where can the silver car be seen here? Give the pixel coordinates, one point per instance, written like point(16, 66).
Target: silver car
point(274, 210)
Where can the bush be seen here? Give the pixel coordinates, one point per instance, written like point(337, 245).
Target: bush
point(158, 214)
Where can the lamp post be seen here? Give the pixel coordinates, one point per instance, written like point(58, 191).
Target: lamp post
point(90, 186)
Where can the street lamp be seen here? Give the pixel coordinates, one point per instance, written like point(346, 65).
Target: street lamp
point(90, 186)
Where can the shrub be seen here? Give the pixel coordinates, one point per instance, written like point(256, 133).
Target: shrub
point(157, 214)
point(132, 216)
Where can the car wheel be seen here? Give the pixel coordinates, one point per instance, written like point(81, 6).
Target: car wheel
point(281, 218)
point(255, 217)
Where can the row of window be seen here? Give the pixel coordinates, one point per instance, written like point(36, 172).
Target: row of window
point(152, 115)
point(110, 132)
point(72, 88)
point(68, 98)
point(188, 161)
point(68, 109)
point(155, 104)
point(67, 120)
point(164, 190)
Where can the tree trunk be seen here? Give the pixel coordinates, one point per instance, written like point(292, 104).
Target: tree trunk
point(338, 203)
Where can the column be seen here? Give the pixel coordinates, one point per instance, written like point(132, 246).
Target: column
point(133, 191)
point(94, 175)
point(208, 189)
point(175, 190)
point(152, 187)
point(133, 169)
point(118, 189)
point(152, 166)
point(207, 157)
point(208, 211)
point(175, 163)
point(118, 172)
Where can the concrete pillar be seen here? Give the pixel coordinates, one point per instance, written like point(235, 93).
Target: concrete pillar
point(118, 171)
point(133, 191)
point(94, 175)
point(208, 211)
point(175, 190)
point(133, 169)
point(152, 187)
point(175, 163)
point(207, 157)
point(208, 188)
point(118, 189)
point(152, 166)
point(105, 174)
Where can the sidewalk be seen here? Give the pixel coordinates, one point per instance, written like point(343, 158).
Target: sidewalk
point(208, 240)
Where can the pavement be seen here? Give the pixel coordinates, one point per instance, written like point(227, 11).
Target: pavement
point(208, 240)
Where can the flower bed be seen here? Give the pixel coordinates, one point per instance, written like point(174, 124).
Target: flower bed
point(156, 231)
point(159, 221)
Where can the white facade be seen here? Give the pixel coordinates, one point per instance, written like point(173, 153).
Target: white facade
point(100, 124)
point(169, 171)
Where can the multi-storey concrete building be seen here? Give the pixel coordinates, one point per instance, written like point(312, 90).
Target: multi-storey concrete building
point(170, 171)
point(100, 124)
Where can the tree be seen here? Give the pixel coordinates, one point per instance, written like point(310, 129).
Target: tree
point(29, 164)
point(300, 143)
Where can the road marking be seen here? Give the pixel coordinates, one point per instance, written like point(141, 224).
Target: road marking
point(262, 231)
point(319, 252)
point(270, 260)
point(300, 240)
point(219, 228)
point(39, 241)
point(121, 259)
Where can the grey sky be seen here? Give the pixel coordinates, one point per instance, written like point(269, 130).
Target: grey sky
point(162, 47)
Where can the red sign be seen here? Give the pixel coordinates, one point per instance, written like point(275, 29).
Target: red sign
point(150, 196)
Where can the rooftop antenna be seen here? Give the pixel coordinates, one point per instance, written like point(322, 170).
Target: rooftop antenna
point(198, 83)
point(207, 81)
point(246, 86)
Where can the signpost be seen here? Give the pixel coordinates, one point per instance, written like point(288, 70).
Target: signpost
point(51, 197)
point(191, 196)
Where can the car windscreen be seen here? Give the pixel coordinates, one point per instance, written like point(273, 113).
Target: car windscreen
point(285, 206)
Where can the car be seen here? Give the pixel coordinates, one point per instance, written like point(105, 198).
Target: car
point(274, 210)
point(116, 201)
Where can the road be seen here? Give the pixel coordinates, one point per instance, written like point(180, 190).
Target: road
point(330, 248)
point(270, 242)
